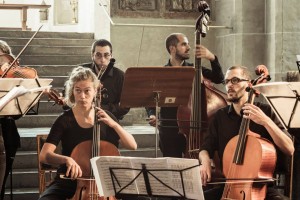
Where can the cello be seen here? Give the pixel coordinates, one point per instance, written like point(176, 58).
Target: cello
point(250, 173)
point(83, 152)
point(204, 101)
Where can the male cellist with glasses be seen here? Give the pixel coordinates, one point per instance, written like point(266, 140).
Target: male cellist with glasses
point(226, 124)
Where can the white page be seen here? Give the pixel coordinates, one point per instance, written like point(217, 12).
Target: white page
point(96, 174)
point(13, 93)
point(191, 177)
point(124, 176)
point(156, 187)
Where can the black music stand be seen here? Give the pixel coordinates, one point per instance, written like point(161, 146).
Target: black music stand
point(284, 98)
point(18, 96)
point(157, 87)
point(128, 177)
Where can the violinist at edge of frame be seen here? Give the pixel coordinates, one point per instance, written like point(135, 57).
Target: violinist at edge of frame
point(75, 126)
point(226, 124)
point(11, 137)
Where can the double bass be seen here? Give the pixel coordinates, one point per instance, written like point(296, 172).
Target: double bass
point(205, 99)
point(247, 175)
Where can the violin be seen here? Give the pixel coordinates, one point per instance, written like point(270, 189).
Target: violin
point(250, 173)
point(10, 68)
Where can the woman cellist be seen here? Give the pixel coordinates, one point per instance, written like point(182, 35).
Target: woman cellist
point(226, 124)
point(75, 126)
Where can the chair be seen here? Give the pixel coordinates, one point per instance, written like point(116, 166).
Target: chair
point(46, 172)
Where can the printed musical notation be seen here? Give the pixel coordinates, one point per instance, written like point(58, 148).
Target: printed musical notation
point(166, 176)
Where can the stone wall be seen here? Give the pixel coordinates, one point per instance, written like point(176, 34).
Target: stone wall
point(143, 42)
point(263, 32)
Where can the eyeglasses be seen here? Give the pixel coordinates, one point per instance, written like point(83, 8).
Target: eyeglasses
point(105, 55)
point(234, 80)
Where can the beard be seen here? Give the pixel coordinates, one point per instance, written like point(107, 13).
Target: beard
point(234, 99)
point(237, 95)
point(182, 56)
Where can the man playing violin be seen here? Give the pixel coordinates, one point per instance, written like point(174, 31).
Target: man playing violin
point(75, 126)
point(8, 129)
point(172, 144)
point(226, 124)
point(112, 77)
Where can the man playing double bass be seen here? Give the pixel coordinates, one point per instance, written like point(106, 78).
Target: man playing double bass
point(226, 124)
point(172, 144)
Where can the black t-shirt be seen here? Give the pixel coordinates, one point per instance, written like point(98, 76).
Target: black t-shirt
point(226, 125)
point(67, 131)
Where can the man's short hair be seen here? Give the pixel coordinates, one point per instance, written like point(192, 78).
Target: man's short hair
point(245, 70)
point(172, 40)
point(101, 43)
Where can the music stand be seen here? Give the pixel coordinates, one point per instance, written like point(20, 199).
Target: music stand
point(284, 98)
point(157, 87)
point(151, 177)
point(20, 105)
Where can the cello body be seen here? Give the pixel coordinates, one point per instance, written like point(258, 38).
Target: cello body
point(258, 163)
point(82, 153)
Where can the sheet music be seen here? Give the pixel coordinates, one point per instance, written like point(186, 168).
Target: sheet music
point(18, 91)
point(15, 92)
point(101, 167)
point(158, 167)
point(283, 97)
point(192, 179)
point(157, 187)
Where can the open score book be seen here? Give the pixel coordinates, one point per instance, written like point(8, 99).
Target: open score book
point(113, 174)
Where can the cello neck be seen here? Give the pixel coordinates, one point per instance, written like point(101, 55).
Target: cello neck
point(240, 149)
